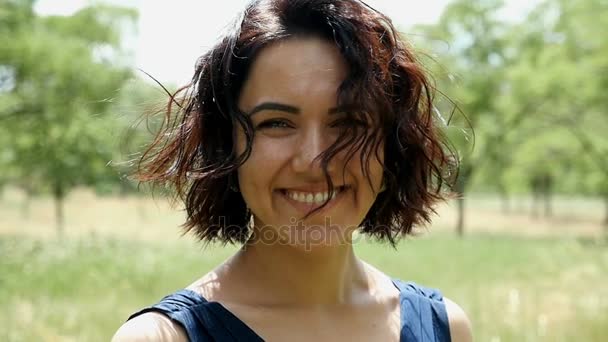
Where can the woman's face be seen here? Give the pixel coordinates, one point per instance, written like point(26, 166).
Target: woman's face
point(291, 97)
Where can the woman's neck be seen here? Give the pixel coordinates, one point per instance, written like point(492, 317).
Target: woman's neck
point(294, 275)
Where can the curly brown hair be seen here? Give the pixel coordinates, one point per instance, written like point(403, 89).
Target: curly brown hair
point(194, 152)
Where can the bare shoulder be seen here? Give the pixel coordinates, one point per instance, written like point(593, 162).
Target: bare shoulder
point(150, 327)
point(460, 326)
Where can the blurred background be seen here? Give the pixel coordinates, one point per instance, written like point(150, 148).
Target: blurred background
point(524, 250)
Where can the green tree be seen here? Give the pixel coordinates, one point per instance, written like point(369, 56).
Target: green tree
point(561, 66)
point(585, 112)
point(57, 74)
point(533, 91)
point(470, 72)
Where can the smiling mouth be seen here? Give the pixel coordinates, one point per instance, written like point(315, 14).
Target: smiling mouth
point(313, 199)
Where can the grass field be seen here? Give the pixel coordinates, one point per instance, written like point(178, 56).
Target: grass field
point(517, 284)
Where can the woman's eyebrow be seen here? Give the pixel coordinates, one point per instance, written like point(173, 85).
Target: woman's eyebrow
point(275, 106)
point(292, 109)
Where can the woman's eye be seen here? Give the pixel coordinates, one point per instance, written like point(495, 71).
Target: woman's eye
point(273, 124)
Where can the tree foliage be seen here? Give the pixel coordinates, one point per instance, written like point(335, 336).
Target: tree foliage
point(533, 90)
point(58, 75)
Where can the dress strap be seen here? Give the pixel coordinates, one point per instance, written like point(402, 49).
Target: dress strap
point(198, 317)
point(423, 314)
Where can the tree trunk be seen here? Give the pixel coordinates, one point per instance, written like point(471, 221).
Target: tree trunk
point(461, 212)
point(124, 187)
point(26, 205)
point(548, 208)
point(534, 204)
point(460, 188)
point(606, 216)
point(59, 196)
point(505, 204)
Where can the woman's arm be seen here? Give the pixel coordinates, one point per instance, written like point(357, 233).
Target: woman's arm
point(460, 326)
point(150, 327)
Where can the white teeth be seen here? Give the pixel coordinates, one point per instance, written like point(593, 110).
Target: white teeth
point(310, 198)
point(325, 196)
point(319, 197)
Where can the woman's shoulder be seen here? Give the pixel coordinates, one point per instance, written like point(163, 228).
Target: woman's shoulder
point(150, 326)
point(460, 325)
point(170, 319)
point(445, 313)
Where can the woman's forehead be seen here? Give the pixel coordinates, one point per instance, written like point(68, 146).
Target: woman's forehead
point(295, 68)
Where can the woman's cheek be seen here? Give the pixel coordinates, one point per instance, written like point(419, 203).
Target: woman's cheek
point(266, 158)
point(267, 149)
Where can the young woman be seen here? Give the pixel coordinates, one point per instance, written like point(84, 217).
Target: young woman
point(310, 120)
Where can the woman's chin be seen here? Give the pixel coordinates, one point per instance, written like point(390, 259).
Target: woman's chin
point(312, 233)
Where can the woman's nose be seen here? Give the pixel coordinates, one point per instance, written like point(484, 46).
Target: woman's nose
point(309, 147)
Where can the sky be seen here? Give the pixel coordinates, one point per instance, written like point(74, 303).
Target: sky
point(172, 34)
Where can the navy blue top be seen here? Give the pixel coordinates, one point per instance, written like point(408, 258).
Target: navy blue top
point(423, 316)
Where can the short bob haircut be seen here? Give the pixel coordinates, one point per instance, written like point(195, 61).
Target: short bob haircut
point(194, 151)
